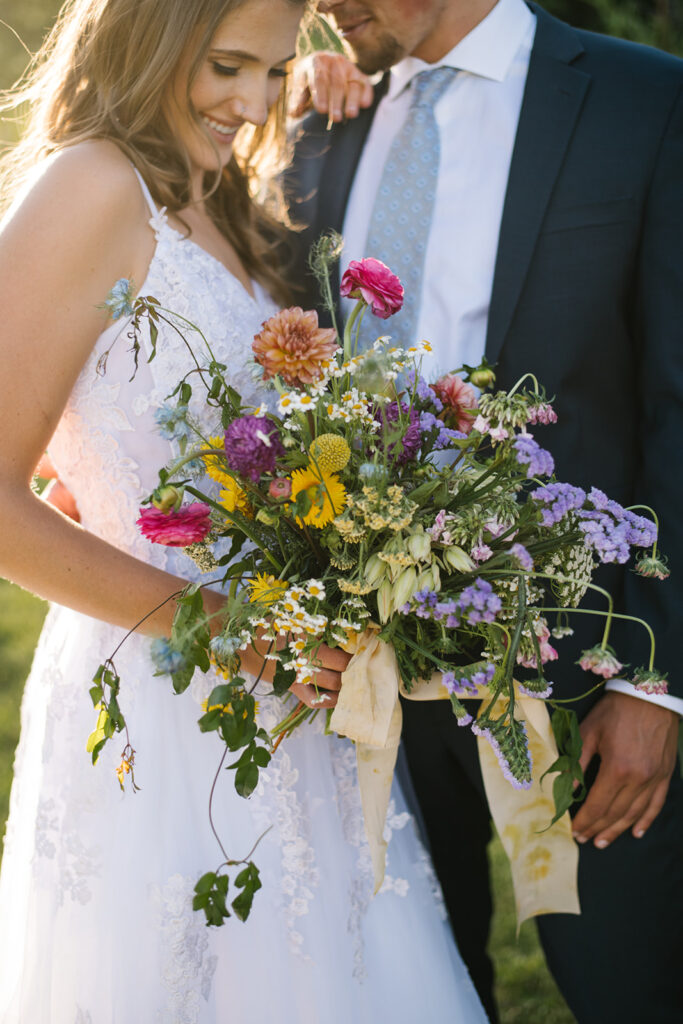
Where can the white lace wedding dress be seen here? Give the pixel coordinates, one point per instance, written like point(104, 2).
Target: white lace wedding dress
point(96, 922)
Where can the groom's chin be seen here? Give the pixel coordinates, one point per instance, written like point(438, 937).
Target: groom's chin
point(377, 53)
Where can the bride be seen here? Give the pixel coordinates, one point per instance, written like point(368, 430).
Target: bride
point(152, 123)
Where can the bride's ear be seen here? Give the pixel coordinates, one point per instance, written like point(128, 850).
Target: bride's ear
point(331, 84)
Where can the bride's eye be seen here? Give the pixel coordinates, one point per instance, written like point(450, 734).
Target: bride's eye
point(223, 69)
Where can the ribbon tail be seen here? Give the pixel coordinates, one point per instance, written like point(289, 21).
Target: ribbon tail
point(375, 776)
point(544, 861)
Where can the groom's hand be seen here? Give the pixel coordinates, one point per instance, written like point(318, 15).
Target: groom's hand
point(332, 84)
point(636, 742)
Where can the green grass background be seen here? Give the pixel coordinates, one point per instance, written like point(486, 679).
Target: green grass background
point(525, 990)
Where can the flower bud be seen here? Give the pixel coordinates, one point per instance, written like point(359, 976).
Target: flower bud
point(458, 560)
point(168, 499)
point(266, 517)
point(419, 546)
point(484, 377)
point(280, 488)
point(429, 579)
point(375, 570)
point(404, 587)
point(384, 601)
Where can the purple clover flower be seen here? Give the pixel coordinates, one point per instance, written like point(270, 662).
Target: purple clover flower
point(252, 446)
point(529, 453)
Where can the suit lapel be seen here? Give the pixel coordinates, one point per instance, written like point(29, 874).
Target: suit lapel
point(552, 100)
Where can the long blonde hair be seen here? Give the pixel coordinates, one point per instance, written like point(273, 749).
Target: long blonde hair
point(103, 73)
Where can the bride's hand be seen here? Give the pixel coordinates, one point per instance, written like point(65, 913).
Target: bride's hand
point(332, 662)
point(327, 681)
point(332, 84)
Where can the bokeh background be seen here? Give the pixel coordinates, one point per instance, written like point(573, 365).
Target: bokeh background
point(526, 991)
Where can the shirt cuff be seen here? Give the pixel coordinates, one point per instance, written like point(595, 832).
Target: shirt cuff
point(664, 700)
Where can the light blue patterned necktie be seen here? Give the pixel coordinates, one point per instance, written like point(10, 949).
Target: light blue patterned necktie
point(404, 205)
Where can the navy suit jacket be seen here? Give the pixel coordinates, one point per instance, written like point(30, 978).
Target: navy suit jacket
point(588, 288)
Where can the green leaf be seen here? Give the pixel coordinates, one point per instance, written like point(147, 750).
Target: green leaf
point(262, 757)
point(96, 693)
point(246, 779)
point(210, 721)
point(201, 902)
point(205, 883)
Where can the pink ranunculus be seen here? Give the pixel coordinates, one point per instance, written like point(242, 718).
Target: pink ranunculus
point(189, 525)
point(459, 402)
point(372, 281)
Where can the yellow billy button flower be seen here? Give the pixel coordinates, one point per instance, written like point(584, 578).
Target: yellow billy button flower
point(266, 589)
point(331, 452)
point(216, 466)
point(326, 492)
point(234, 498)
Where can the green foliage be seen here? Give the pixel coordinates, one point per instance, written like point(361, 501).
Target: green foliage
point(568, 785)
point(653, 22)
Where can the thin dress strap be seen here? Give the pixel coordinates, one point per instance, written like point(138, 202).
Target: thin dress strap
point(146, 192)
point(158, 219)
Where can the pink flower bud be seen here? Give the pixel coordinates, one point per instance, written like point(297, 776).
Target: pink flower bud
point(280, 488)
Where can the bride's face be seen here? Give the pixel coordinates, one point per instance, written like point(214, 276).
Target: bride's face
point(238, 82)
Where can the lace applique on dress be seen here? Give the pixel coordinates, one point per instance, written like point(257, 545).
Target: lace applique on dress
point(188, 966)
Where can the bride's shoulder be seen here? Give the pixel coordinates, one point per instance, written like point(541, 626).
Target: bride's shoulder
point(90, 183)
point(84, 201)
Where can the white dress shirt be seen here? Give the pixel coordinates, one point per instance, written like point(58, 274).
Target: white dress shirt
point(477, 116)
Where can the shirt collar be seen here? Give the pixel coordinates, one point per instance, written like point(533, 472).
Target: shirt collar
point(487, 51)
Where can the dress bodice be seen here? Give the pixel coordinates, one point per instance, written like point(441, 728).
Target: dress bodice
point(107, 447)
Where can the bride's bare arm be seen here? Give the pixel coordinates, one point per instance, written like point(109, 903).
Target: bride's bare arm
point(82, 226)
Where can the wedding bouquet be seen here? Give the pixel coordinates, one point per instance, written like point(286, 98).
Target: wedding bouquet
point(364, 501)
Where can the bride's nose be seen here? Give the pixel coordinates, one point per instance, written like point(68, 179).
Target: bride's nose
point(252, 103)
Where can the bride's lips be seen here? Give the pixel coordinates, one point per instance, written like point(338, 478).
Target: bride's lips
point(354, 30)
point(222, 131)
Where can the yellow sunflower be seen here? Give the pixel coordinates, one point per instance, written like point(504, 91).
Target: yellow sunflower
point(215, 465)
point(266, 589)
point(232, 497)
point(326, 492)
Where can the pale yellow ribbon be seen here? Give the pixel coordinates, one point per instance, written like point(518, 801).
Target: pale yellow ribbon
point(544, 860)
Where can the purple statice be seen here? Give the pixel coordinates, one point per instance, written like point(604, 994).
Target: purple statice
point(538, 461)
point(522, 556)
point(409, 445)
point(446, 436)
point(515, 763)
point(559, 500)
point(478, 603)
point(466, 683)
point(423, 392)
point(607, 538)
point(423, 604)
point(252, 446)
point(542, 413)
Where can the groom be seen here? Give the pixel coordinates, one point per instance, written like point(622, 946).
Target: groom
point(550, 241)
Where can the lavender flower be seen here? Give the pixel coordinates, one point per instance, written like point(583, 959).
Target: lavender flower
point(478, 603)
point(423, 392)
point(252, 446)
point(530, 454)
point(469, 679)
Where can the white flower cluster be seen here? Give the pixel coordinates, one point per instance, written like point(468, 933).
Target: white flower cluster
point(354, 405)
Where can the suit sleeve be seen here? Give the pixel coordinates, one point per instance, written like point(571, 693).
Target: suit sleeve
point(659, 326)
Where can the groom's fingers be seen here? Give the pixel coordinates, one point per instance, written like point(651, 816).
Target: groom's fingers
point(620, 816)
point(654, 807)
